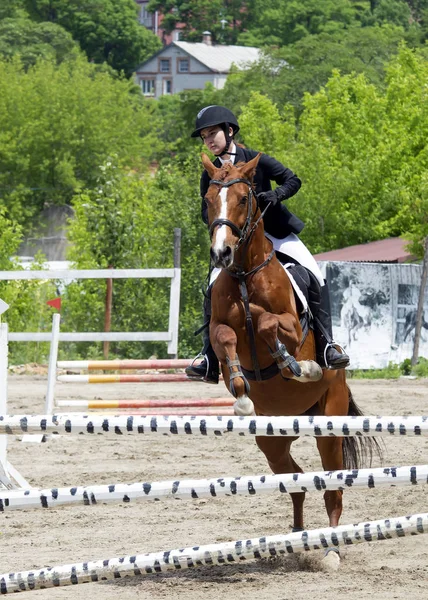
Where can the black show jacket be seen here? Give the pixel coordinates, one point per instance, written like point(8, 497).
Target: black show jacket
point(278, 220)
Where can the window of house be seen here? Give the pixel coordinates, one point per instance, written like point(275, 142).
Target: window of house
point(164, 65)
point(145, 17)
point(167, 86)
point(148, 87)
point(183, 65)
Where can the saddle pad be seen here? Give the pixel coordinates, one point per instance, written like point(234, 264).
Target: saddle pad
point(296, 288)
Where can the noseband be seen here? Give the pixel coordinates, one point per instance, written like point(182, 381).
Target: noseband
point(241, 233)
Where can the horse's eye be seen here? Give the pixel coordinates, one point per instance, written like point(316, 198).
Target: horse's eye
point(243, 200)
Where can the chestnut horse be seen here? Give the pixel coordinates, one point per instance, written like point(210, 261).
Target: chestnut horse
point(254, 317)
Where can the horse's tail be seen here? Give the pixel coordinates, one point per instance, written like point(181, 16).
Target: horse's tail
point(359, 450)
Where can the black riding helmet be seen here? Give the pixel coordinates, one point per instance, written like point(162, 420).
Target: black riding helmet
point(216, 115)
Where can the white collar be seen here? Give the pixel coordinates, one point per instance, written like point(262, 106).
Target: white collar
point(231, 158)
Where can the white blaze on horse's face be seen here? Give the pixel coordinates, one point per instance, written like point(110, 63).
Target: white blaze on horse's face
point(222, 251)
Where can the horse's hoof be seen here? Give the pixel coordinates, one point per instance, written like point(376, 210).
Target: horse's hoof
point(331, 560)
point(243, 407)
point(311, 371)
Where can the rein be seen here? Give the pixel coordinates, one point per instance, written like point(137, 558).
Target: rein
point(245, 235)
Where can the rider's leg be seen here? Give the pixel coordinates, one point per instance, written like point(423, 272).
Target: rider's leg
point(292, 249)
point(329, 354)
point(208, 369)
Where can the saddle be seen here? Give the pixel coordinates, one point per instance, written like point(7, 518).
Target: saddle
point(305, 289)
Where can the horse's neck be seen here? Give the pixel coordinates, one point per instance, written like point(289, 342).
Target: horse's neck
point(257, 250)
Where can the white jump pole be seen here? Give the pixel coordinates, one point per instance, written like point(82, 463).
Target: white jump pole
point(53, 356)
point(201, 426)
point(4, 475)
point(213, 554)
point(191, 489)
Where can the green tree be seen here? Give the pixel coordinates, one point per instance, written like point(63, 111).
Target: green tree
point(107, 30)
point(31, 41)
point(305, 66)
point(10, 239)
point(224, 19)
point(58, 125)
point(278, 23)
point(12, 9)
point(361, 152)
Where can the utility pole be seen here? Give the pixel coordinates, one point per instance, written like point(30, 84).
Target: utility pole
point(420, 311)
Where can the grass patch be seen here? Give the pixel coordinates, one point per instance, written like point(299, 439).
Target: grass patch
point(393, 370)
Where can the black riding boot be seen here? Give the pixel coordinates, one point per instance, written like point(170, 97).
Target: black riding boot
point(208, 369)
point(329, 354)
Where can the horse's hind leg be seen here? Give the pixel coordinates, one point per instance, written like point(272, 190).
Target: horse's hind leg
point(224, 341)
point(277, 452)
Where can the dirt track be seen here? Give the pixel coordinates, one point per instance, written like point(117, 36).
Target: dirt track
point(39, 538)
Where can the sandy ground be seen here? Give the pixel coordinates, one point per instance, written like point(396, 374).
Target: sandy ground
point(34, 539)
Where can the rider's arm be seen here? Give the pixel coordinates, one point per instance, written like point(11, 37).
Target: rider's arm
point(288, 183)
point(205, 181)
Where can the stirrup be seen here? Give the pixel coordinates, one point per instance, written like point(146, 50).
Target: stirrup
point(202, 372)
point(338, 348)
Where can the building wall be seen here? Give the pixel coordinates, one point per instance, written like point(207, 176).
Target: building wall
point(196, 77)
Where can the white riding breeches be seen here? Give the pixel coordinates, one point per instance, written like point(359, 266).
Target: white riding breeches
point(293, 247)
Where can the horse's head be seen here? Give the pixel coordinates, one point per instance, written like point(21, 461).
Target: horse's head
point(232, 206)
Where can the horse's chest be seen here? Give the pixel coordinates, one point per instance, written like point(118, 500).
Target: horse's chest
point(237, 312)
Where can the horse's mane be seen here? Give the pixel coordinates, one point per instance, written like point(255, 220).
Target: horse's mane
point(224, 171)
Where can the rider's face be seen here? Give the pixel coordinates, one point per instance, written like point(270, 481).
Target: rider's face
point(214, 139)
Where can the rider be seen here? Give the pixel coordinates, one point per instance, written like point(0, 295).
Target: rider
point(217, 127)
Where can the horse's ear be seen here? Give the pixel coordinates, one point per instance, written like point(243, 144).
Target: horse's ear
point(248, 169)
point(209, 167)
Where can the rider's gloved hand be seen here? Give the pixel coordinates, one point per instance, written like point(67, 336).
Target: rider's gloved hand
point(269, 196)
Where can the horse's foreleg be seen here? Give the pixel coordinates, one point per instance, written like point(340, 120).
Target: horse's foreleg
point(330, 450)
point(283, 339)
point(224, 341)
point(334, 402)
point(277, 452)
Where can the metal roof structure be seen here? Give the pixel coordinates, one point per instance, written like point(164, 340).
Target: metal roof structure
point(391, 250)
point(219, 59)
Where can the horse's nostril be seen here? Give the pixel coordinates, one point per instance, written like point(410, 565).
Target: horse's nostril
point(227, 252)
point(213, 254)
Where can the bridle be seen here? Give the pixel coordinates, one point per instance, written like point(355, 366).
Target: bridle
point(241, 233)
point(244, 236)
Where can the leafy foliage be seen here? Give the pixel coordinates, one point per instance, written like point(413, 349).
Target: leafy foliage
point(58, 124)
point(107, 30)
point(224, 19)
point(361, 152)
point(32, 41)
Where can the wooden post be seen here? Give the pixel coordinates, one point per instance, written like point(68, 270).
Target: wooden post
point(107, 315)
point(420, 311)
